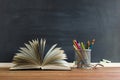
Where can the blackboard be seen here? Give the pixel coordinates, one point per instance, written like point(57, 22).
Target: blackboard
point(61, 21)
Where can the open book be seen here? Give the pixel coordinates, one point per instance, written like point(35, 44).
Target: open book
point(32, 57)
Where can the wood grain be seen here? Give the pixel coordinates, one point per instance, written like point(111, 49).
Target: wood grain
point(75, 74)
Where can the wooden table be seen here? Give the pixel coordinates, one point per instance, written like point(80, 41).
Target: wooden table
point(107, 73)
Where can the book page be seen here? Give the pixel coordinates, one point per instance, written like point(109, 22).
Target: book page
point(28, 54)
point(31, 53)
point(20, 67)
point(55, 67)
point(21, 59)
point(54, 55)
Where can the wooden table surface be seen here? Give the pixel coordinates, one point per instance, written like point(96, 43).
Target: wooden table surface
point(106, 73)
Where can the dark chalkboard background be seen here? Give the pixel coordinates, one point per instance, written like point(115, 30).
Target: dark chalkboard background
point(61, 21)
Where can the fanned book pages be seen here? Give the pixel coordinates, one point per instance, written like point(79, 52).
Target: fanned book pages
point(31, 57)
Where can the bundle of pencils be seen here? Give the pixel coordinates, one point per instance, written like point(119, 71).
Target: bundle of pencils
point(80, 48)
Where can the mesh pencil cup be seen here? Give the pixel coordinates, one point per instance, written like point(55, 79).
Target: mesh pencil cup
point(84, 59)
